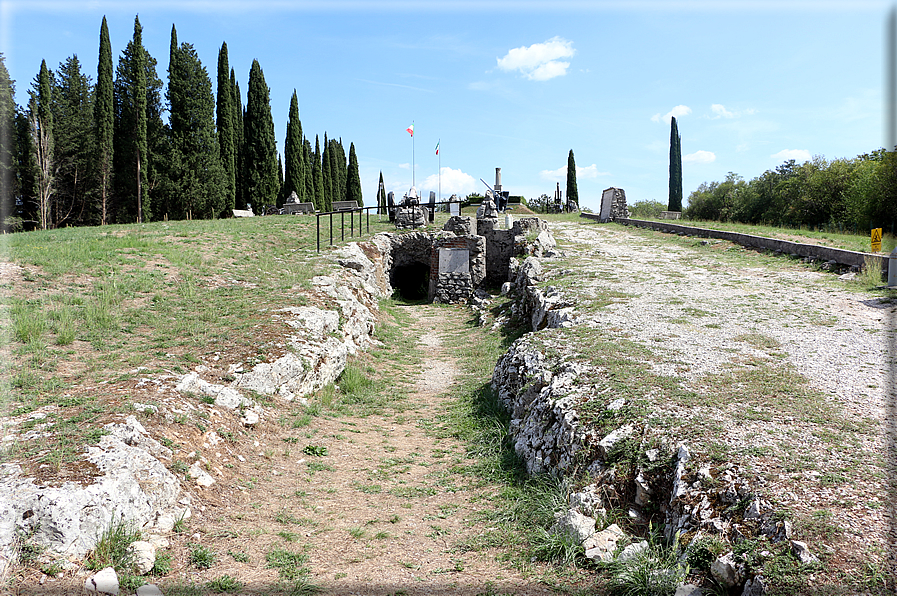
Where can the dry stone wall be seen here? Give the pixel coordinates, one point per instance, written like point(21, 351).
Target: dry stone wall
point(545, 386)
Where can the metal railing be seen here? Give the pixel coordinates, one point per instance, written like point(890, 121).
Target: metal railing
point(364, 219)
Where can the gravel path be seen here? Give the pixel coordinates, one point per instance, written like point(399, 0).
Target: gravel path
point(707, 308)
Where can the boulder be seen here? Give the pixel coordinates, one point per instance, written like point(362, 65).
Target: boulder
point(605, 444)
point(802, 552)
point(601, 546)
point(574, 524)
point(725, 570)
point(103, 582)
point(144, 555)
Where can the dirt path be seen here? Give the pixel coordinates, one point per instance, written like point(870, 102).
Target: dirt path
point(381, 513)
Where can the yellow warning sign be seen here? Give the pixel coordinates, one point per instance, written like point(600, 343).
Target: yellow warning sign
point(876, 240)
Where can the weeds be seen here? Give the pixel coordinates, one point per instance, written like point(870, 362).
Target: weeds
point(201, 557)
point(653, 571)
point(112, 547)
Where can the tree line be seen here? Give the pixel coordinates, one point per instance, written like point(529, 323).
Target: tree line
point(850, 194)
point(85, 153)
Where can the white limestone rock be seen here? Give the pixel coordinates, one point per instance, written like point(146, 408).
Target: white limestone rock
point(607, 443)
point(725, 570)
point(802, 552)
point(200, 476)
point(103, 582)
point(576, 525)
point(601, 546)
point(68, 519)
point(144, 556)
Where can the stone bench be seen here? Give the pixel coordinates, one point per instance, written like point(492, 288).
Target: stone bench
point(291, 208)
point(344, 205)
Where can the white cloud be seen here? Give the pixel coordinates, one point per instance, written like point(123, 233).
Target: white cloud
point(589, 172)
point(453, 182)
point(700, 157)
point(405, 166)
point(560, 174)
point(800, 155)
point(540, 61)
point(676, 112)
point(720, 111)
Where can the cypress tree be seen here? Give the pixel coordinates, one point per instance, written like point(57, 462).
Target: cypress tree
point(339, 155)
point(280, 196)
point(104, 120)
point(327, 175)
point(260, 151)
point(381, 196)
point(318, 177)
point(294, 148)
point(137, 96)
point(353, 179)
point(197, 179)
point(139, 66)
point(307, 172)
point(225, 124)
point(675, 202)
point(572, 191)
point(239, 193)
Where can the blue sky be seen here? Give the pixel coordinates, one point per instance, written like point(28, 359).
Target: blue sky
point(518, 84)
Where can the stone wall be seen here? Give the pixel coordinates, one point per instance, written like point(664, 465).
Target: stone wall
point(847, 258)
point(456, 286)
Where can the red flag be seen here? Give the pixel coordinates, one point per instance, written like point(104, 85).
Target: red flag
point(437, 147)
point(410, 130)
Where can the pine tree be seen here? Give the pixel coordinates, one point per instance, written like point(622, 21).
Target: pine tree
point(196, 179)
point(225, 123)
point(572, 191)
point(26, 176)
point(260, 151)
point(73, 153)
point(353, 179)
point(318, 177)
point(7, 149)
point(327, 175)
point(104, 121)
point(675, 202)
point(40, 115)
point(294, 148)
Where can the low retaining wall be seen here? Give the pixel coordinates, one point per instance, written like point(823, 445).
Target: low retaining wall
point(847, 258)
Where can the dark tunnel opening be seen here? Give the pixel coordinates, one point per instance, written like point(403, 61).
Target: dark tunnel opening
point(411, 280)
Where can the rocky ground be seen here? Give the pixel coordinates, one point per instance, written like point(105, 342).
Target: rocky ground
point(769, 370)
point(773, 372)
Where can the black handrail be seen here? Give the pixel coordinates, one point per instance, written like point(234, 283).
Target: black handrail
point(359, 210)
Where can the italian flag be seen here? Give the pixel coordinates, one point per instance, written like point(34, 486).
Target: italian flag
point(437, 147)
point(410, 130)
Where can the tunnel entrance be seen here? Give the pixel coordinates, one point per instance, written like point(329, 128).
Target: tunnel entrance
point(411, 280)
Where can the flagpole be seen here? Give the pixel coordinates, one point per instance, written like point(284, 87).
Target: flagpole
point(439, 172)
point(412, 153)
